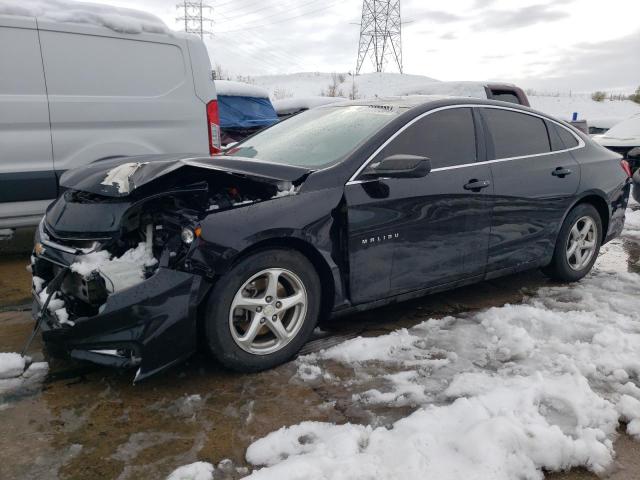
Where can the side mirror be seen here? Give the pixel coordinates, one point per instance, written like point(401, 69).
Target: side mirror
point(634, 154)
point(399, 166)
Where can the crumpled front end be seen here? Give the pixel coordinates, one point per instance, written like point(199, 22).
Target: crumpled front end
point(117, 279)
point(131, 310)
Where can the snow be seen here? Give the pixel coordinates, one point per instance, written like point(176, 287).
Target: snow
point(310, 84)
point(628, 129)
point(239, 89)
point(11, 365)
point(13, 376)
point(303, 85)
point(497, 394)
point(123, 20)
point(193, 471)
point(598, 114)
point(132, 263)
point(456, 89)
point(56, 305)
point(292, 105)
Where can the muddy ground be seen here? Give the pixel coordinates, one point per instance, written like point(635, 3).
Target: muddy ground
point(90, 422)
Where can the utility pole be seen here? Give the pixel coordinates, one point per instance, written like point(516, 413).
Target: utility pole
point(380, 34)
point(196, 16)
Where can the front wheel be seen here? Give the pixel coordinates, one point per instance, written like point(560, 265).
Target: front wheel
point(577, 245)
point(263, 311)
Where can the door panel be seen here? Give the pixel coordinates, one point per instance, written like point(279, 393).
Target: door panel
point(408, 234)
point(529, 205)
point(532, 190)
point(26, 165)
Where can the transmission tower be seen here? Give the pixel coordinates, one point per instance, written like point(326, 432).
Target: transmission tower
point(197, 17)
point(380, 34)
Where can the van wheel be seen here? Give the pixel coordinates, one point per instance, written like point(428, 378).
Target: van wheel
point(577, 246)
point(263, 311)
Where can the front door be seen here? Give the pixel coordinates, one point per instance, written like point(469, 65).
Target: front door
point(408, 234)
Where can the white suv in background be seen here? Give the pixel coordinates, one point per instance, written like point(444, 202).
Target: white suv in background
point(76, 93)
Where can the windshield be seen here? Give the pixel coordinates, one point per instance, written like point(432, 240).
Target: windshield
point(316, 138)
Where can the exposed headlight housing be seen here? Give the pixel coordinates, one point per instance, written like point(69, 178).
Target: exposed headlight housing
point(187, 235)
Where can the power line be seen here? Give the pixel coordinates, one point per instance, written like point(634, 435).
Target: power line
point(380, 34)
point(250, 27)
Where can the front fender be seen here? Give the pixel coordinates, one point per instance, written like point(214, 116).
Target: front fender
point(311, 217)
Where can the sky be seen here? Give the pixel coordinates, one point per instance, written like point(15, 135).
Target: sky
point(548, 45)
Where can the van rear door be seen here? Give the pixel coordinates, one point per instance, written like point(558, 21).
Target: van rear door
point(27, 179)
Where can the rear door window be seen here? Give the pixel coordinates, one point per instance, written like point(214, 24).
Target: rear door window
point(561, 138)
point(447, 137)
point(516, 134)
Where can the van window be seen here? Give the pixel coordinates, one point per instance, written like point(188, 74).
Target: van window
point(77, 64)
point(516, 134)
point(20, 62)
point(447, 137)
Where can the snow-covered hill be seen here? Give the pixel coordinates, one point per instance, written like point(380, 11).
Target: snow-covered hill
point(312, 84)
point(603, 114)
point(368, 85)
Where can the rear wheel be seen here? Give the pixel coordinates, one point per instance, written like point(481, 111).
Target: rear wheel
point(577, 245)
point(263, 311)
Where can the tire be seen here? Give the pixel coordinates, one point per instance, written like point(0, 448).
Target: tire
point(228, 332)
point(566, 268)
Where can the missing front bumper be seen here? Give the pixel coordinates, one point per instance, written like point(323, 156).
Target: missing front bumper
point(151, 325)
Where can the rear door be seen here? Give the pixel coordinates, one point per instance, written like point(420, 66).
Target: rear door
point(408, 234)
point(27, 180)
point(535, 182)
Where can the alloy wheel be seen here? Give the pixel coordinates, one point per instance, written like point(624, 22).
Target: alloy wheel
point(268, 311)
point(581, 244)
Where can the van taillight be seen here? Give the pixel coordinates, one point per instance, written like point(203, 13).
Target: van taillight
point(213, 127)
point(627, 168)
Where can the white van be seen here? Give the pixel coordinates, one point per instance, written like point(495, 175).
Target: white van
point(74, 93)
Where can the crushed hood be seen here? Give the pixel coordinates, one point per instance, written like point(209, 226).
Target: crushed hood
point(122, 176)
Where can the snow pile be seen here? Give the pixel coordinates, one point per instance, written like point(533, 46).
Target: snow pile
point(17, 373)
point(632, 224)
point(499, 394)
point(123, 20)
point(11, 365)
point(229, 88)
point(193, 471)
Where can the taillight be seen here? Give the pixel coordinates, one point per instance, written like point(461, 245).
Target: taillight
point(213, 127)
point(627, 168)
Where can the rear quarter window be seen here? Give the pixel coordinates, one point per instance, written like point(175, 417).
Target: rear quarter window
point(516, 134)
point(77, 64)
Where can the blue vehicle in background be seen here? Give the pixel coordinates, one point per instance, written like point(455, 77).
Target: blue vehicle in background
point(244, 110)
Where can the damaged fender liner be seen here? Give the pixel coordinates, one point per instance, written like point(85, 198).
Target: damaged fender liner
point(156, 321)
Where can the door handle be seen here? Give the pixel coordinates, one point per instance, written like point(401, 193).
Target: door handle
point(561, 172)
point(476, 185)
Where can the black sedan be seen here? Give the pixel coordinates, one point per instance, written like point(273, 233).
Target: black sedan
point(341, 208)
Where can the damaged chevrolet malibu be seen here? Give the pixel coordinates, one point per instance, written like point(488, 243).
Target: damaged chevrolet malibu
point(143, 260)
